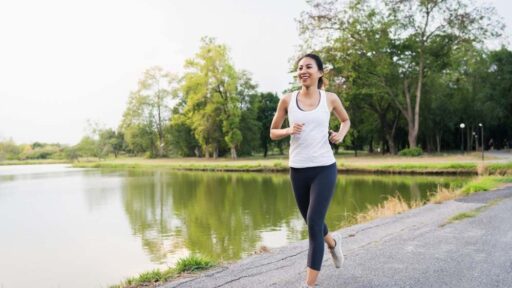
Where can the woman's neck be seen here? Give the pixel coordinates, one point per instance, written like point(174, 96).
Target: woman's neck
point(309, 92)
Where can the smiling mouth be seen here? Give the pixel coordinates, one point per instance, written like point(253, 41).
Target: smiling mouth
point(304, 77)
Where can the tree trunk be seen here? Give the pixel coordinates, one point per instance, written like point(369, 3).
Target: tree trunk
point(207, 151)
point(413, 119)
point(391, 143)
point(215, 151)
point(438, 142)
point(355, 146)
point(233, 152)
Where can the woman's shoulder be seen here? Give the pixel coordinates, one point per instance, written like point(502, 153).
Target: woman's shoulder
point(286, 97)
point(330, 95)
point(332, 100)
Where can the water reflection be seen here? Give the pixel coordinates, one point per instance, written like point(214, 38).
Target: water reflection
point(227, 216)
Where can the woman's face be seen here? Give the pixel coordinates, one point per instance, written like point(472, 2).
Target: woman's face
point(308, 73)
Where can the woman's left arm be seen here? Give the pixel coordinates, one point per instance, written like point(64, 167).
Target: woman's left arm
point(341, 114)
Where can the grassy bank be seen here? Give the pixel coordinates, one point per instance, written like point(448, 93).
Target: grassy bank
point(498, 169)
point(33, 162)
point(156, 277)
point(375, 164)
point(396, 204)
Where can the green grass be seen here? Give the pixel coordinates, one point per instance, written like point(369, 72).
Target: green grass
point(464, 215)
point(470, 214)
point(485, 183)
point(193, 264)
point(155, 277)
point(33, 162)
point(396, 205)
point(426, 168)
point(273, 165)
point(499, 168)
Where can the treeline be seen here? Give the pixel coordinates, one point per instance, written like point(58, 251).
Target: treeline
point(212, 110)
point(408, 72)
point(9, 150)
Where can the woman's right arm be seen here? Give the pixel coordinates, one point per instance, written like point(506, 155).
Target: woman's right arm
point(276, 132)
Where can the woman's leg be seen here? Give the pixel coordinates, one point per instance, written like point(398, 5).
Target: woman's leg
point(322, 189)
point(329, 240)
point(303, 180)
point(301, 183)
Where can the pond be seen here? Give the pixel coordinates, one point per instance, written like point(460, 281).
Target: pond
point(72, 227)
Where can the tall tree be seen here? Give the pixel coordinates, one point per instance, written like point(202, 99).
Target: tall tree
point(250, 127)
point(265, 110)
point(212, 102)
point(148, 111)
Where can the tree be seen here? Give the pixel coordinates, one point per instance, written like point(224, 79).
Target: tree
point(110, 141)
point(88, 147)
point(250, 127)
point(181, 136)
point(148, 112)
point(265, 113)
point(212, 102)
point(9, 150)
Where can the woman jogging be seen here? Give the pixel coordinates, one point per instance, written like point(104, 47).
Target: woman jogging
point(312, 164)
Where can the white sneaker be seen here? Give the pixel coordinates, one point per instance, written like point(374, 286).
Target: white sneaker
point(336, 253)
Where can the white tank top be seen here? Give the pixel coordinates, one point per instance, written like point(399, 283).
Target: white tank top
point(311, 147)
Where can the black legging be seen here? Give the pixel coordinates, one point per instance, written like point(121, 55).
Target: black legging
point(313, 188)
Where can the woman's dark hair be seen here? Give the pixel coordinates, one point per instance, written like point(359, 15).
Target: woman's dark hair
point(319, 64)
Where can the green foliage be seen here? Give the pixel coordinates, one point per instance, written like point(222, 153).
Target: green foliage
point(411, 152)
point(180, 137)
point(8, 150)
point(88, 147)
point(250, 128)
point(193, 263)
point(390, 57)
point(44, 152)
point(499, 168)
point(266, 107)
point(188, 264)
point(214, 95)
point(148, 112)
point(484, 184)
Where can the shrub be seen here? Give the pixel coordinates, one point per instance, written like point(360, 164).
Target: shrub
point(411, 152)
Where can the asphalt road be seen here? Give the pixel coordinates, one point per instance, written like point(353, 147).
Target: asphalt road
point(412, 249)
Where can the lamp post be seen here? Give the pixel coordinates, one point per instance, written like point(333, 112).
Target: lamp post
point(462, 125)
point(476, 141)
point(482, 132)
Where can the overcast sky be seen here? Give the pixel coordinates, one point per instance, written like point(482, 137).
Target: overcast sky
point(63, 62)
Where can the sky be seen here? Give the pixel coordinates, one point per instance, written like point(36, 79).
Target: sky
point(66, 62)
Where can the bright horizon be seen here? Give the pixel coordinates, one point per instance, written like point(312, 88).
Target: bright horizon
point(63, 63)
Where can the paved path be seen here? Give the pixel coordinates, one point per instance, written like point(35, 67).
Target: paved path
point(501, 155)
point(407, 250)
